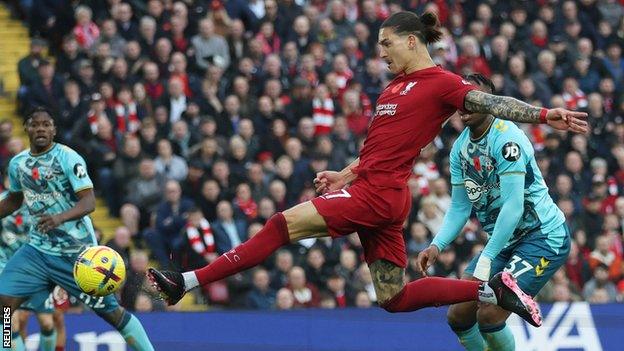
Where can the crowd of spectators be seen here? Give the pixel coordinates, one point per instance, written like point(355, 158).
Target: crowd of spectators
point(200, 119)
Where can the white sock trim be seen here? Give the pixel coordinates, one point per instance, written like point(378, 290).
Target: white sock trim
point(486, 294)
point(190, 280)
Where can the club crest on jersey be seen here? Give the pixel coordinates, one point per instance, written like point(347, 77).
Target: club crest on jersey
point(511, 151)
point(34, 173)
point(409, 87)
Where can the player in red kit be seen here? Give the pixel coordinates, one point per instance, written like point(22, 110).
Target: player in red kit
point(409, 114)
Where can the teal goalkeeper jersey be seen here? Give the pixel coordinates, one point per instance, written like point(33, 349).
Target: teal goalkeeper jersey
point(49, 182)
point(478, 165)
point(14, 232)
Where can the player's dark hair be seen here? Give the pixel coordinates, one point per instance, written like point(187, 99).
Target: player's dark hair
point(38, 109)
point(480, 79)
point(425, 27)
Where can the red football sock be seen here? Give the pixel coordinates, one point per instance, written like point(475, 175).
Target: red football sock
point(248, 254)
point(433, 291)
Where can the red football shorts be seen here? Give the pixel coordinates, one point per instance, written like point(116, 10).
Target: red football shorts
point(376, 214)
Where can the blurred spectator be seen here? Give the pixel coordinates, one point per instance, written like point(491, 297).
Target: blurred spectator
point(143, 196)
point(72, 108)
point(430, 214)
point(446, 266)
point(47, 89)
point(110, 36)
point(229, 232)
point(165, 239)
point(27, 67)
point(136, 278)
point(603, 256)
point(347, 265)
point(340, 291)
point(470, 60)
point(365, 282)
point(261, 297)
point(123, 15)
point(210, 48)
point(283, 265)
point(200, 239)
point(600, 281)
point(577, 268)
point(168, 164)
point(419, 238)
point(284, 300)
point(362, 300)
point(316, 269)
point(86, 31)
point(6, 132)
point(121, 243)
point(305, 294)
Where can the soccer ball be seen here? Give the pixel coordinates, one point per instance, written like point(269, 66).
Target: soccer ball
point(99, 271)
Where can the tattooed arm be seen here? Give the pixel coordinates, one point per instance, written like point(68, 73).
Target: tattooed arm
point(515, 110)
point(501, 106)
point(387, 279)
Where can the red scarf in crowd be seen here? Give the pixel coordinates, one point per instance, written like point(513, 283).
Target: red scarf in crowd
point(249, 207)
point(203, 244)
point(92, 118)
point(86, 35)
point(323, 115)
point(132, 123)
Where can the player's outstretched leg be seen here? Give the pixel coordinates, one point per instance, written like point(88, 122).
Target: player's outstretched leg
point(47, 341)
point(494, 329)
point(499, 337)
point(501, 290)
point(128, 326)
point(173, 285)
point(462, 318)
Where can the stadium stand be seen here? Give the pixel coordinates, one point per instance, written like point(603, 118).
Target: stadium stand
point(200, 119)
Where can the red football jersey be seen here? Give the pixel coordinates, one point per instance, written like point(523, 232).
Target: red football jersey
point(409, 114)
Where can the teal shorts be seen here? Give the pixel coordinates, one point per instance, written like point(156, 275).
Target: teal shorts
point(531, 260)
point(31, 273)
point(40, 302)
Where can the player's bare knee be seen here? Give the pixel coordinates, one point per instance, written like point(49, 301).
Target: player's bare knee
point(490, 315)
point(462, 314)
point(46, 322)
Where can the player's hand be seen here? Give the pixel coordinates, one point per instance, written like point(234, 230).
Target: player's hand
point(48, 222)
point(328, 181)
point(560, 118)
point(426, 258)
point(59, 296)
